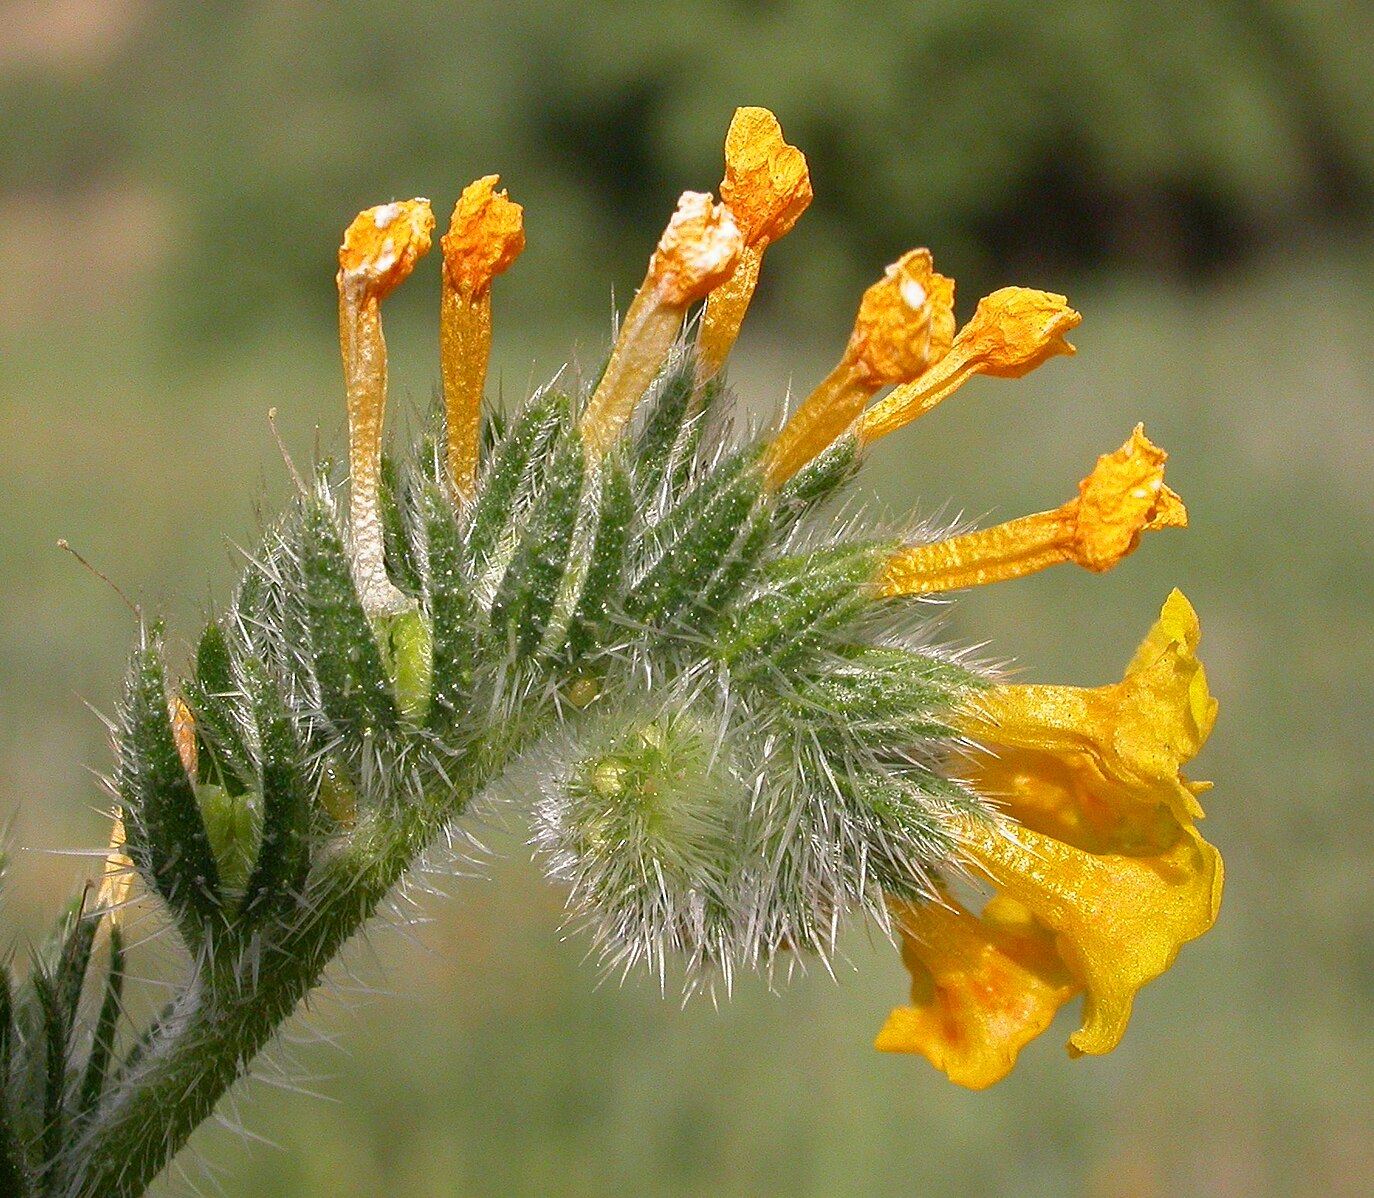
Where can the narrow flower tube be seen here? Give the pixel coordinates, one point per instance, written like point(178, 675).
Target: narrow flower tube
point(982, 987)
point(1122, 498)
point(905, 323)
point(379, 250)
point(485, 236)
point(698, 251)
point(1012, 331)
point(767, 187)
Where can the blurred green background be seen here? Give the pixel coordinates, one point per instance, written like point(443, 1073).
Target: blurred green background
point(1198, 178)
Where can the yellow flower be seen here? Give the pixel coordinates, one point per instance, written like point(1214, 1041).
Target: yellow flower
point(1138, 731)
point(485, 236)
point(1102, 861)
point(1123, 497)
point(1012, 331)
point(766, 188)
point(1118, 920)
point(905, 322)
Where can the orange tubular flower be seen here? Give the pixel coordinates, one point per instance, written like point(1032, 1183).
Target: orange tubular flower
point(1122, 498)
point(905, 323)
point(1012, 331)
point(698, 251)
point(1105, 861)
point(379, 250)
point(766, 187)
point(485, 236)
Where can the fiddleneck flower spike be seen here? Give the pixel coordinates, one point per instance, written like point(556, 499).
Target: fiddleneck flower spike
point(713, 680)
point(698, 251)
point(1012, 331)
point(905, 323)
point(379, 250)
point(1122, 498)
point(485, 237)
point(767, 187)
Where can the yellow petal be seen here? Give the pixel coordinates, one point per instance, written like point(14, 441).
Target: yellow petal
point(1119, 921)
point(1140, 731)
point(1124, 496)
point(485, 235)
point(767, 185)
point(1068, 797)
point(1016, 329)
point(982, 988)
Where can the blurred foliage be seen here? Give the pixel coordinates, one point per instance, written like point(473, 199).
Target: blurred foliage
point(1064, 133)
point(1073, 145)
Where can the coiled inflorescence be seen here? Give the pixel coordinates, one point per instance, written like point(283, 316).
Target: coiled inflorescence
point(714, 686)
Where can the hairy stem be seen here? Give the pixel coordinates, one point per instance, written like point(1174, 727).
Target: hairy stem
point(237, 999)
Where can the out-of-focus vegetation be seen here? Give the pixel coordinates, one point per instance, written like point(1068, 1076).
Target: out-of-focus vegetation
point(173, 182)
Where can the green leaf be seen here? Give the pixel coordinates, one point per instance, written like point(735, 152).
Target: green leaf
point(166, 834)
point(354, 688)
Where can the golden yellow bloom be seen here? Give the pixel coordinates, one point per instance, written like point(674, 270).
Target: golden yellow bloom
point(1139, 731)
point(1012, 331)
point(905, 322)
point(767, 187)
point(982, 988)
point(698, 251)
point(1122, 498)
point(379, 250)
point(485, 236)
point(1102, 877)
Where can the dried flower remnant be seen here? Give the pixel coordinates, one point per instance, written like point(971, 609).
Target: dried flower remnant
point(486, 235)
point(379, 250)
point(767, 187)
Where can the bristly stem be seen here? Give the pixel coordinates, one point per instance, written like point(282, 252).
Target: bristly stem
point(233, 1004)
